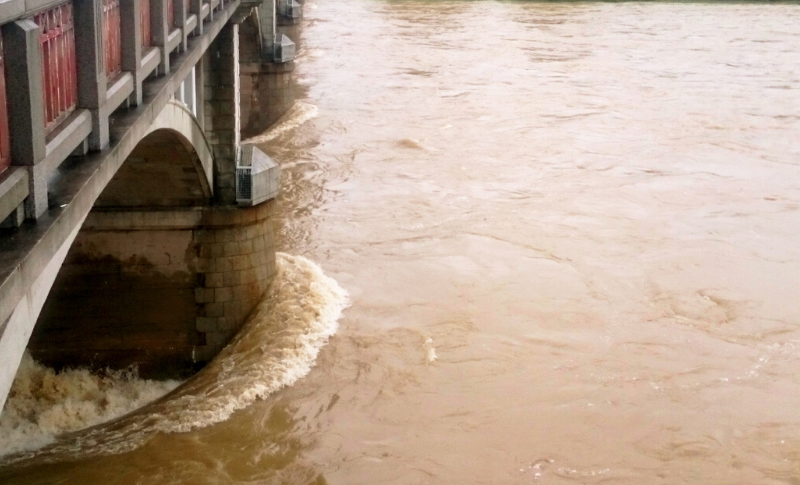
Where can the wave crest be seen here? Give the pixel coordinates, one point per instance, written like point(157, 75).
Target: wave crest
point(277, 346)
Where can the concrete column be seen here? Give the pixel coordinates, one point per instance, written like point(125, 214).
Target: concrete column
point(222, 124)
point(180, 21)
point(189, 97)
point(132, 45)
point(26, 107)
point(200, 105)
point(266, 20)
point(160, 32)
point(91, 72)
point(196, 7)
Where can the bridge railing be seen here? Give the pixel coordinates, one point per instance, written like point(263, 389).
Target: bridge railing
point(144, 23)
point(112, 39)
point(171, 14)
point(55, 110)
point(59, 72)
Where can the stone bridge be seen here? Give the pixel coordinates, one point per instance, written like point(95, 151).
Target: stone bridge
point(136, 230)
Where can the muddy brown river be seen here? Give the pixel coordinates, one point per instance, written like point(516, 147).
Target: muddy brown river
point(569, 234)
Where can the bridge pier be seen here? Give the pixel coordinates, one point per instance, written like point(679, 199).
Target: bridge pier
point(163, 290)
point(221, 102)
point(134, 189)
point(266, 80)
point(266, 89)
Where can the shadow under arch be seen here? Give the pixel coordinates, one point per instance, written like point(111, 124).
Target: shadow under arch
point(172, 166)
point(125, 294)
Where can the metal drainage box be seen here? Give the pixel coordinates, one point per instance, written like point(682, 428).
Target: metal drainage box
point(258, 177)
point(284, 49)
point(291, 9)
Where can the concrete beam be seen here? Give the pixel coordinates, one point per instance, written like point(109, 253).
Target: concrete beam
point(222, 122)
point(13, 191)
point(17, 327)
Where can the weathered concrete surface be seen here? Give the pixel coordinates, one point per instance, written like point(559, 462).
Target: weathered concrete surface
point(16, 330)
point(266, 87)
point(121, 298)
point(164, 294)
point(266, 95)
point(221, 109)
point(171, 167)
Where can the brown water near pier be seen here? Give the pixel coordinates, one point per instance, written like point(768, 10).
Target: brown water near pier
point(570, 233)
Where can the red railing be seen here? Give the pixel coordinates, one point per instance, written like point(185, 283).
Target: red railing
point(171, 14)
point(144, 10)
point(59, 75)
point(112, 44)
point(5, 146)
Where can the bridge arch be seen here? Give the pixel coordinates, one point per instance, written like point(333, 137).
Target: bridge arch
point(171, 166)
point(125, 293)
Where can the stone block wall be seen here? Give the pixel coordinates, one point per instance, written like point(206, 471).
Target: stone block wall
point(162, 290)
point(235, 265)
point(222, 121)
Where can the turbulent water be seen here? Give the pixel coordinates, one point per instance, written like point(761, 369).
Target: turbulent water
point(44, 404)
point(569, 234)
point(277, 346)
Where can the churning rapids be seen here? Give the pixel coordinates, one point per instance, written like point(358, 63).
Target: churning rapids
point(570, 232)
point(276, 347)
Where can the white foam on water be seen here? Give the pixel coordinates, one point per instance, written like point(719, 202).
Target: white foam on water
point(430, 351)
point(277, 346)
point(299, 113)
point(43, 403)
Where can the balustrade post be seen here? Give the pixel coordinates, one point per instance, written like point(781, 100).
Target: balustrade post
point(26, 107)
point(160, 31)
point(92, 82)
point(181, 13)
point(132, 44)
point(196, 7)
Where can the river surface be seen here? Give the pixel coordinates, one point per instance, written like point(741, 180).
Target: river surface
point(569, 236)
